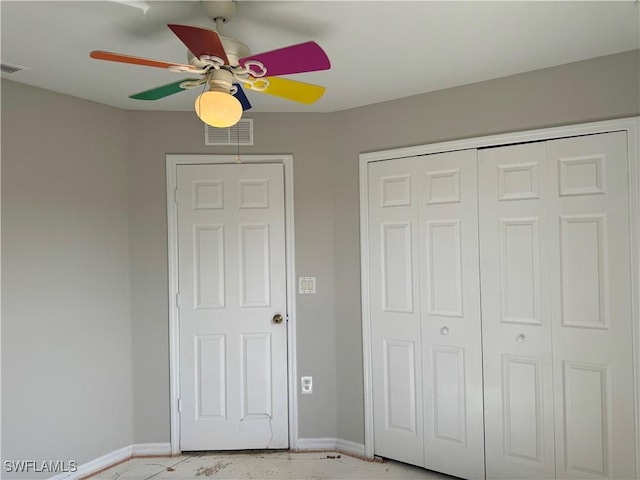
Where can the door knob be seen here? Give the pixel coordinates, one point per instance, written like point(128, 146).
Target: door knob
point(444, 330)
point(277, 319)
point(520, 338)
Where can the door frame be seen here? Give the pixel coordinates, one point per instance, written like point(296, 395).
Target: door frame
point(631, 125)
point(172, 161)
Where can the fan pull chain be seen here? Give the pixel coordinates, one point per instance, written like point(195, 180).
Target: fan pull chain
point(204, 89)
point(238, 159)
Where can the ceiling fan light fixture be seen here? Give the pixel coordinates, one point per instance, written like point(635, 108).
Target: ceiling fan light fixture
point(218, 109)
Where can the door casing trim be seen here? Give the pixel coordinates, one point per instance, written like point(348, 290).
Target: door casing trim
point(630, 125)
point(172, 161)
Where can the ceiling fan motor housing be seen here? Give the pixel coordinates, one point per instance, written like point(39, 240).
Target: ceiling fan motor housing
point(220, 80)
point(234, 49)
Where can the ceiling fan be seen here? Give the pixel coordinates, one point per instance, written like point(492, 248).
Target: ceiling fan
point(225, 65)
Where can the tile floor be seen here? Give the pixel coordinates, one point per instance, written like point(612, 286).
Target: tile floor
point(277, 465)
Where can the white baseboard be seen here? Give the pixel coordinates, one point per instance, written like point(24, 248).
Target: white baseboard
point(150, 449)
point(329, 443)
point(352, 448)
point(97, 464)
point(117, 456)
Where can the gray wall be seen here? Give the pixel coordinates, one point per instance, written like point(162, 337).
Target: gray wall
point(66, 330)
point(103, 276)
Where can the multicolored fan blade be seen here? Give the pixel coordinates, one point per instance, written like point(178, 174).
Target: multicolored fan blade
point(118, 57)
point(304, 57)
point(163, 91)
point(242, 97)
point(293, 90)
point(200, 41)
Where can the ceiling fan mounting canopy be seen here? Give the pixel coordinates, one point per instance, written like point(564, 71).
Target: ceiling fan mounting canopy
point(223, 10)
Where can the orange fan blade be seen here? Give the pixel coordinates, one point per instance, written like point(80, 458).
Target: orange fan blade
point(118, 57)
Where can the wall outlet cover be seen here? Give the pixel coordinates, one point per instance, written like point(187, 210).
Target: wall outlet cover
point(306, 385)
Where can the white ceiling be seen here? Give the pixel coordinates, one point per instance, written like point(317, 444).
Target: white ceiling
point(379, 50)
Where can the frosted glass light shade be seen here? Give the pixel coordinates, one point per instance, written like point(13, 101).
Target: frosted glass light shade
point(218, 109)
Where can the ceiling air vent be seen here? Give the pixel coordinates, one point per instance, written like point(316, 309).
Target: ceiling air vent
point(239, 134)
point(8, 68)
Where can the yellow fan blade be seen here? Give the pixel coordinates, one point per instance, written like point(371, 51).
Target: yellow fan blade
point(292, 90)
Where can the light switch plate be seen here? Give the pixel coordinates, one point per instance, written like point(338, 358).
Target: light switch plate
point(307, 285)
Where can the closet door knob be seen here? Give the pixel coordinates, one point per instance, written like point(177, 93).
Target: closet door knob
point(444, 330)
point(520, 338)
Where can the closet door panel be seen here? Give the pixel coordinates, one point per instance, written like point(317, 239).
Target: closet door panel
point(450, 306)
point(516, 323)
point(395, 310)
point(591, 302)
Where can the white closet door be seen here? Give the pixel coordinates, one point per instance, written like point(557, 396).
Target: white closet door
point(556, 300)
point(395, 310)
point(591, 299)
point(516, 320)
point(450, 306)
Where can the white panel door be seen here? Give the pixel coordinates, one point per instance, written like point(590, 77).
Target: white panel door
point(556, 305)
point(516, 317)
point(450, 306)
point(591, 307)
point(395, 310)
point(233, 356)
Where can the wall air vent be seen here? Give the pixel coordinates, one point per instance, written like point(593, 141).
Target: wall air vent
point(8, 68)
point(240, 134)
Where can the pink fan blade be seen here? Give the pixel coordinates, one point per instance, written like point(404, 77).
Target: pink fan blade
point(304, 57)
point(200, 41)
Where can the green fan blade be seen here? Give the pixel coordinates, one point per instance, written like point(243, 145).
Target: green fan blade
point(161, 92)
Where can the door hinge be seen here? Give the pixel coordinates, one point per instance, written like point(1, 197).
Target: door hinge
point(175, 195)
point(178, 300)
point(180, 405)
